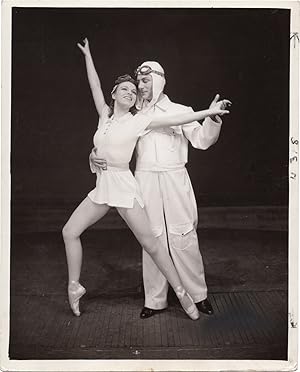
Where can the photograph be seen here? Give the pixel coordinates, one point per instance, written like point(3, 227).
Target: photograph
point(149, 186)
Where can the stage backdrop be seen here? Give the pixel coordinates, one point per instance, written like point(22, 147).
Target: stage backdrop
point(243, 54)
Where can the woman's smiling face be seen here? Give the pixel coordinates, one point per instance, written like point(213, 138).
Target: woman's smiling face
point(125, 94)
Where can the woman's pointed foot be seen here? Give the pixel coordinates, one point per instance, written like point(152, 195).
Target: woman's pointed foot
point(75, 292)
point(187, 303)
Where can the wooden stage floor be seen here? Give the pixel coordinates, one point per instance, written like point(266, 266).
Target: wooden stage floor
point(246, 273)
point(246, 325)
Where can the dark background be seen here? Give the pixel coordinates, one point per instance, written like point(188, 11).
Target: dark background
point(243, 54)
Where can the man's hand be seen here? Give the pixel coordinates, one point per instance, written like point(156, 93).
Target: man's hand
point(95, 162)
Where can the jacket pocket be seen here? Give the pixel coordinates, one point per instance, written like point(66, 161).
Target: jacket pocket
point(182, 236)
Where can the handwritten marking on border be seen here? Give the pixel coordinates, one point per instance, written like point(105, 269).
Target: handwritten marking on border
point(295, 38)
point(294, 156)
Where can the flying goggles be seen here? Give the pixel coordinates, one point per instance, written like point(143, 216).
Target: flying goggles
point(146, 70)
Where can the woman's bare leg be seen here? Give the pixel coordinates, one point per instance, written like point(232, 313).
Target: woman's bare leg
point(138, 222)
point(85, 215)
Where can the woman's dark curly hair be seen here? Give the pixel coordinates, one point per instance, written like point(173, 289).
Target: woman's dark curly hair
point(119, 80)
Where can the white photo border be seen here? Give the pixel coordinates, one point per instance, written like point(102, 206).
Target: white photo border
point(147, 365)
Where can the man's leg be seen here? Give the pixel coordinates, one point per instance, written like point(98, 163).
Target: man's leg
point(155, 284)
point(181, 216)
point(137, 220)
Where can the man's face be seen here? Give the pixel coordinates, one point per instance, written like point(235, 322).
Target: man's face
point(145, 86)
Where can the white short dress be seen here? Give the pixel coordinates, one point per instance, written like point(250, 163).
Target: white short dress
point(115, 140)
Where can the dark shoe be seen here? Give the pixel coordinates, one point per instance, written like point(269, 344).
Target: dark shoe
point(146, 312)
point(205, 307)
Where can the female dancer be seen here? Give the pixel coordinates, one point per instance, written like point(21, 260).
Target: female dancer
point(115, 139)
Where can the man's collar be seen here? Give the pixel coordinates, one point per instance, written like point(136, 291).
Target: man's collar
point(164, 103)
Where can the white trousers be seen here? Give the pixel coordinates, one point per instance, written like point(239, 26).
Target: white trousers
point(171, 207)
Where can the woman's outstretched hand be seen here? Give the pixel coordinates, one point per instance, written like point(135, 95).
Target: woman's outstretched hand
point(217, 111)
point(85, 48)
point(219, 107)
point(223, 104)
point(218, 104)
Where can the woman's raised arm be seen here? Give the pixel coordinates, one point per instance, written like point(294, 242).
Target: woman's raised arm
point(180, 119)
point(93, 77)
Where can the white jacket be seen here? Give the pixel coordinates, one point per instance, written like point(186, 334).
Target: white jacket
point(167, 149)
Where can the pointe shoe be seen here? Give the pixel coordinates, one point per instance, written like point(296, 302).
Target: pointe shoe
point(191, 310)
point(75, 292)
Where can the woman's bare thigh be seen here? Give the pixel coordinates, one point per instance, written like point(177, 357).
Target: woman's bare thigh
point(86, 214)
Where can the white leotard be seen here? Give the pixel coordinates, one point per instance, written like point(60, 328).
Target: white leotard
point(115, 140)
